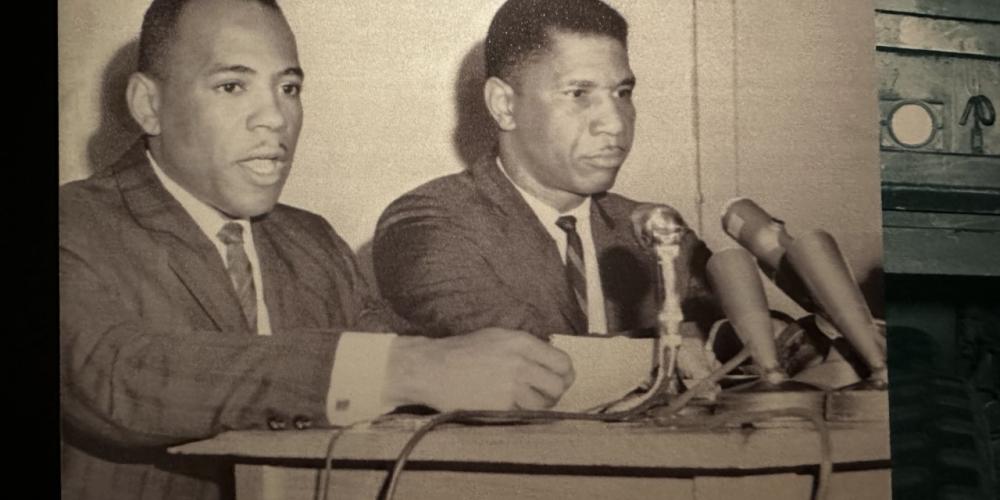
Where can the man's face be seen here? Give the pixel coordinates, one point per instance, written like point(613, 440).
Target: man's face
point(573, 114)
point(230, 112)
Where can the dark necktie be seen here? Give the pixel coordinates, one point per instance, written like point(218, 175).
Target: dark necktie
point(238, 266)
point(575, 271)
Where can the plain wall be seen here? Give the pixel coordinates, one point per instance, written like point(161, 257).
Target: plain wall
point(771, 100)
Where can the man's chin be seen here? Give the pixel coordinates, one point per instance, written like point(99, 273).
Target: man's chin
point(248, 209)
point(601, 181)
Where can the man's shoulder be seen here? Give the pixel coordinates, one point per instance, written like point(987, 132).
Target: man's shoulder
point(445, 196)
point(97, 192)
point(452, 188)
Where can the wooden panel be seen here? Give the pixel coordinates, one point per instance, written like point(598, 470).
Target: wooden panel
point(945, 83)
point(924, 220)
point(941, 170)
point(570, 443)
point(901, 31)
point(967, 9)
point(263, 482)
point(941, 251)
point(260, 482)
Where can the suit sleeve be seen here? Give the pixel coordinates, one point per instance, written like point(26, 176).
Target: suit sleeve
point(131, 383)
point(430, 269)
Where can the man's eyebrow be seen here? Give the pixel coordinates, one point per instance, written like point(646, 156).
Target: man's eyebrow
point(232, 68)
point(239, 68)
point(295, 70)
point(586, 84)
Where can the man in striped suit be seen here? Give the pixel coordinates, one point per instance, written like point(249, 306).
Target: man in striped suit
point(529, 237)
point(192, 302)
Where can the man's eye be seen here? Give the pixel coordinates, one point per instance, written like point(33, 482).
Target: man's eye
point(625, 93)
point(576, 92)
point(230, 87)
point(291, 89)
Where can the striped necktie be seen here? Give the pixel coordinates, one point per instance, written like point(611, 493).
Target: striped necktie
point(575, 271)
point(238, 267)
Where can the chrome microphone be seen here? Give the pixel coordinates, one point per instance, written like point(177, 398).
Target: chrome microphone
point(662, 228)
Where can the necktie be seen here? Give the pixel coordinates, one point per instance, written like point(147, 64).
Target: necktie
point(575, 272)
point(238, 266)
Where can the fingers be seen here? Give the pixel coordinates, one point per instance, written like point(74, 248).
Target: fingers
point(543, 381)
point(530, 399)
point(555, 360)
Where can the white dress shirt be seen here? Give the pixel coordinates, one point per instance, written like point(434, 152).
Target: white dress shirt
point(596, 319)
point(361, 359)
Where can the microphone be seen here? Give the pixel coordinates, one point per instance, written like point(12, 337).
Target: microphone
point(826, 274)
point(735, 280)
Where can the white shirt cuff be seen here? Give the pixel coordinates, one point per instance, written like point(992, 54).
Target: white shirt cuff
point(358, 376)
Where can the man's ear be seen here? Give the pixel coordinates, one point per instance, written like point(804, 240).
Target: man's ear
point(143, 98)
point(499, 97)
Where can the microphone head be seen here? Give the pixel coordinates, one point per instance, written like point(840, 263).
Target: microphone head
point(756, 230)
point(736, 282)
point(657, 224)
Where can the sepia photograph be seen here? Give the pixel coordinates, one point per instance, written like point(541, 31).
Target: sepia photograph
point(442, 249)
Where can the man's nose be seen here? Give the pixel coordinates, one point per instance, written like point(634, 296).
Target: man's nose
point(269, 112)
point(610, 116)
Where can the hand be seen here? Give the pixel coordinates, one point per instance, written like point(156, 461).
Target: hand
point(489, 369)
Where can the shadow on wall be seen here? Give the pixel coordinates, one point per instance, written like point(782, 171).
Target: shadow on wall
point(117, 130)
point(475, 131)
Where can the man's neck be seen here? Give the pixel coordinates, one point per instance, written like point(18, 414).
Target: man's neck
point(562, 201)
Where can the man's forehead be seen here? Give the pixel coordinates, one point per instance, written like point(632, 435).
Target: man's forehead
point(572, 53)
point(234, 32)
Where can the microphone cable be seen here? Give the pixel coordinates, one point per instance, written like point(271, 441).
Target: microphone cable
point(492, 416)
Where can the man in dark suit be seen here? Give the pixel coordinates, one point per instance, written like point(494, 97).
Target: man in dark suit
point(529, 237)
point(193, 303)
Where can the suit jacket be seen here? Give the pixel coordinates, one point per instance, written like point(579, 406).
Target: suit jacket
point(155, 350)
point(465, 251)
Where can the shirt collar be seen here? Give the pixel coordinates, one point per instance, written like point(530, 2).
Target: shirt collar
point(207, 218)
point(545, 212)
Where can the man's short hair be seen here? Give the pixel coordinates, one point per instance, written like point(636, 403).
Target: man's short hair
point(522, 29)
point(159, 25)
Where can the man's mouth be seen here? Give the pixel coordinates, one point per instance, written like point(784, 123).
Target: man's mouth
point(265, 169)
point(608, 157)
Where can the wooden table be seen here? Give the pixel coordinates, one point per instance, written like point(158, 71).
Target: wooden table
point(578, 460)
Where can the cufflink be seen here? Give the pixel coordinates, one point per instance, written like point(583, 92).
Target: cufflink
point(342, 404)
point(276, 424)
point(302, 423)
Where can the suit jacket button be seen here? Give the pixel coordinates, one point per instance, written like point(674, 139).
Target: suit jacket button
point(302, 423)
point(276, 424)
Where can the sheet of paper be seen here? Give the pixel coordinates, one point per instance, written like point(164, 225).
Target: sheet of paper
point(607, 368)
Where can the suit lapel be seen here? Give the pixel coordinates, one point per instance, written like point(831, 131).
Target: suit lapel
point(190, 254)
point(531, 245)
